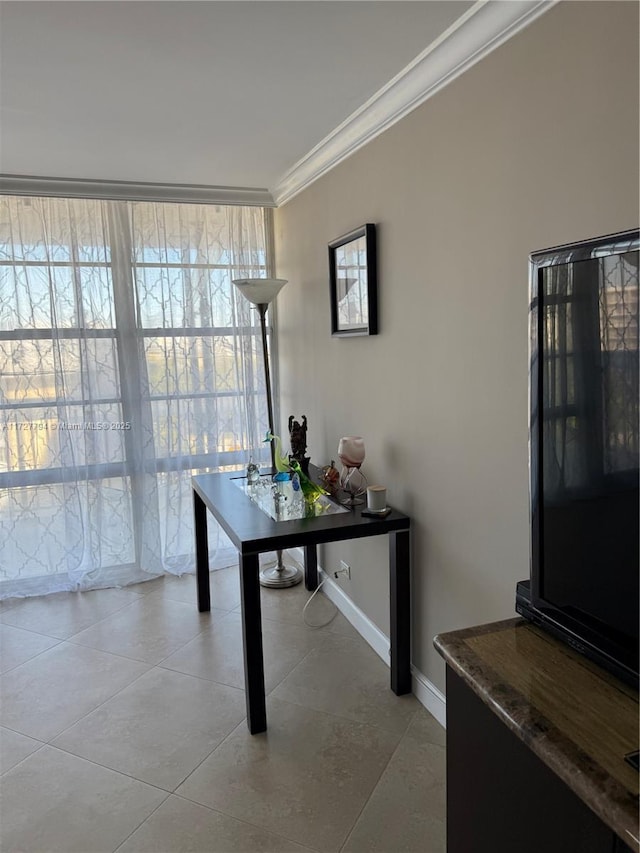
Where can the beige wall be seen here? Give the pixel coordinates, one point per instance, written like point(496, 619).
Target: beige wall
point(536, 145)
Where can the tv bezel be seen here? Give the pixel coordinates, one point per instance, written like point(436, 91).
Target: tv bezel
point(619, 659)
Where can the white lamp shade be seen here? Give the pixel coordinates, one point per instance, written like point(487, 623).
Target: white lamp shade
point(260, 291)
point(351, 451)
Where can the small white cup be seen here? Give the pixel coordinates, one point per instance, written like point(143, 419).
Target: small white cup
point(376, 498)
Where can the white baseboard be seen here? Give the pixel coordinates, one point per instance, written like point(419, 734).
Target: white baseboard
point(428, 695)
point(424, 690)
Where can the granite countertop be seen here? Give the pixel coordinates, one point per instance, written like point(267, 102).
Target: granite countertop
point(579, 720)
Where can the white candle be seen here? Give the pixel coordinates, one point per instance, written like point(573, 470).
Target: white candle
point(376, 498)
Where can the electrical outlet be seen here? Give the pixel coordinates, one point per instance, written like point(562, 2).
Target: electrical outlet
point(345, 568)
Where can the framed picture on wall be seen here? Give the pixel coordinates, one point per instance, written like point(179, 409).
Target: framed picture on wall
point(353, 281)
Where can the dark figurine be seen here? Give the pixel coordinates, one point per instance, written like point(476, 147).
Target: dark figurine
point(298, 439)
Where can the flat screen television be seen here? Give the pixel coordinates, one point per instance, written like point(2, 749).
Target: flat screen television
point(583, 444)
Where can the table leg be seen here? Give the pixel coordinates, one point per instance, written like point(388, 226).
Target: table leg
point(310, 567)
point(400, 598)
point(202, 552)
point(252, 642)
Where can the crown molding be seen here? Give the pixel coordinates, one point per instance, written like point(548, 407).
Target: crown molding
point(480, 30)
point(133, 191)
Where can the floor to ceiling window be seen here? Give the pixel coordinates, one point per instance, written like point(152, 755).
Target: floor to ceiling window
point(127, 363)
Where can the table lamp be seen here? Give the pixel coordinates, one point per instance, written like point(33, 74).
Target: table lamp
point(261, 292)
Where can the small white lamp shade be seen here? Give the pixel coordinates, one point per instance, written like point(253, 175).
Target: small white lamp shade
point(260, 291)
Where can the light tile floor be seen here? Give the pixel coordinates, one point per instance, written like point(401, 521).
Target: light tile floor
point(123, 728)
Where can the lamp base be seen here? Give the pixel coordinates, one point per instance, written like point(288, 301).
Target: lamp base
point(354, 483)
point(352, 501)
point(280, 575)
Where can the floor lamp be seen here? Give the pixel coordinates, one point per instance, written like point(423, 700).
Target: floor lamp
point(261, 292)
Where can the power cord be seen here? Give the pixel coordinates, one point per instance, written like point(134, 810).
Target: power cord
point(309, 600)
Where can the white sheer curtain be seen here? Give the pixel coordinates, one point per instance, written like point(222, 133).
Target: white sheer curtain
point(127, 363)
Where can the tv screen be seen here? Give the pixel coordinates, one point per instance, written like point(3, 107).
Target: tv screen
point(584, 463)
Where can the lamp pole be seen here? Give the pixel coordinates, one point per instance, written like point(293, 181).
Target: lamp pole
point(262, 310)
point(261, 292)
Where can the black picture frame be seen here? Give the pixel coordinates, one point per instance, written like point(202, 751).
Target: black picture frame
point(354, 298)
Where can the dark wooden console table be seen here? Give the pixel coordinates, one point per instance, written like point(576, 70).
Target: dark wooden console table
point(536, 743)
point(253, 532)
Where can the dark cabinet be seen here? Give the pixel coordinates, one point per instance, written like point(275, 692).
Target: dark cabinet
point(501, 798)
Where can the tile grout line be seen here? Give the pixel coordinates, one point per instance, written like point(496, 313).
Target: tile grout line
point(124, 840)
point(222, 814)
point(166, 791)
point(246, 823)
point(322, 639)
point(97, 707)
point(75, 642)
point(244, 720)
point(122, 772)
point(18, 763)
point(198, 677)
point(86, 627)
point(117, 693)
point(313, 710)
point(227, 736)
point(200, 763)
point(228, 814)
point(225, 613)
point(138, 598)
point(291, 671)
point(343, 717)
point(162, 665)
point(375, 787)
point(331, 713)
point(150, 668)
point(31, 631)
point(37, 654)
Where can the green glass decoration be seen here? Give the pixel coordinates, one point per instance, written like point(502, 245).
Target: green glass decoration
point(284, 464)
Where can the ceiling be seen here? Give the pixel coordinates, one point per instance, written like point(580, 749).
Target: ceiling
point(210, 93)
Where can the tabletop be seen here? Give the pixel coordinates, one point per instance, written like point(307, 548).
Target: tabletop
point(252, 530)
